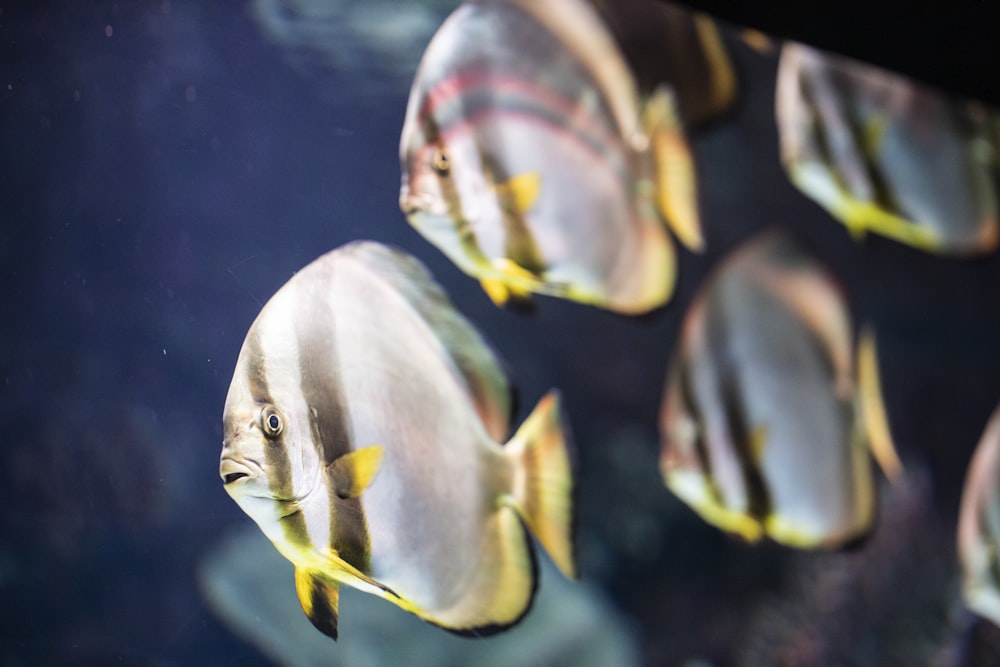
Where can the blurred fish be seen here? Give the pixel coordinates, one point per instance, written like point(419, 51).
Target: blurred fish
point(979, 526)
point(665, 43)
point(530, 159)
point(763, 427)
point(245, 582)
point(885, 154)
point(360, 434)
point(367, 47)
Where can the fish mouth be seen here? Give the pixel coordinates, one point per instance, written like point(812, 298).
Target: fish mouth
point(233, 471)
point(416, 203)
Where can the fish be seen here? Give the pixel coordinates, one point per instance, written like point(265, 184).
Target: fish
point(666, 43)
point(978, 534)
point(887, 155)
point(361, 433)
point(765, 430)
point(530, 159)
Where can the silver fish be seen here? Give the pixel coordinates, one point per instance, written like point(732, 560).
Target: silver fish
point(360, 434)
point(979, 526)
point(885, 154)
point(764, 424)
point(530, 159)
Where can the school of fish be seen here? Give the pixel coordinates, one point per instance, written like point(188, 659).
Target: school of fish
point(544, 150)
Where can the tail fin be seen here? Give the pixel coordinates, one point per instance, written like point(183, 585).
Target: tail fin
point(543, 481)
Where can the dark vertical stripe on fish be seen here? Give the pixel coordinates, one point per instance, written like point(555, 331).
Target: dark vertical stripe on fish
point(718, 326)
point(279, 466)
point(328, 422)
point(758, 497)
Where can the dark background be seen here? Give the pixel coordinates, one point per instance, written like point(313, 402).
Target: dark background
point(157, 185)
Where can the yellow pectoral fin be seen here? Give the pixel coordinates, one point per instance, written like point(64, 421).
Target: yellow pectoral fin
point(872, 408)
point(353, 472)
point(676, 194)
point(519, 193)
point(319, 599)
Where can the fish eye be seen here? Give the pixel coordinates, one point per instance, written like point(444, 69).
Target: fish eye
point(440, 162)
point(270, 422)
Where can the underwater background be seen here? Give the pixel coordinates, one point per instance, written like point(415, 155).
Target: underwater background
point(168, 165)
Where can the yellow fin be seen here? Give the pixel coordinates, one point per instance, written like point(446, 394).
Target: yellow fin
point(353, 472)
point(519, 193)
point(543, 481)
point(758, 41)
point(496, 290)
point(676, 193)
point(694, 489)
point(503, 294)
point(319, 599)
point(515, 273)
point(512, 284)
point(861, 217)
point(722, 75)
point(873, 409)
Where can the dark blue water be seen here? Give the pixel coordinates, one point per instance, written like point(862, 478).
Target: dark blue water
point(164, 171)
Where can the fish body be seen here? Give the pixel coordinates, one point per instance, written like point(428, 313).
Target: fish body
point(361, 432)
point(530, 160)
point(887, 155)
point(761, 434)
point(979, 526)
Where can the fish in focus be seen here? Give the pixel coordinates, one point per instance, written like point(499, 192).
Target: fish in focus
point(979, 526)
point(360, 433)
point(887, 155)
point(530, 159)
point(765, 426)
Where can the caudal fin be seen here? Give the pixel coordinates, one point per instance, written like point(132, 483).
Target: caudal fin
point(543, 481)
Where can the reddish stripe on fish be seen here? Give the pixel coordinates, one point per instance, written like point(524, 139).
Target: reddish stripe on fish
point(564, 114)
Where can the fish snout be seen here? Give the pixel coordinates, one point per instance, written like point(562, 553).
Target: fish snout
point(416, 201)
point(232, 471)
point(407, 204)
